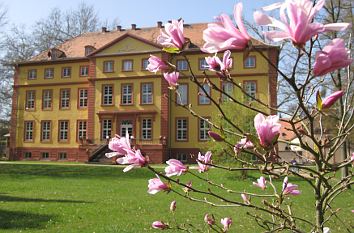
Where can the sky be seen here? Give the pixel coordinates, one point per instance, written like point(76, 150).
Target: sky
point(144, 13)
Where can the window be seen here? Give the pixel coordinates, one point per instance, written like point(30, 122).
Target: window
point(62, 156)
point(251, 89)
point(84, 71)
point(89, 49)
point(81, 130)
point(182, 94)
point(107, 94)
point(66, 72)
point(32, 74)
point(182, 130)
point(27, 155)
point(83, 95)
point(127, 94)
point(108, 66)
point(63, 131)
point(182, 65)
point(228, 88)
point(106, 128)
point(146, 129)
point(45, 130)
point(29, 129)
point(146, 93)
point(202, 97)
point(64, 99)
point(204, 127)
point(181, 157)
point(30, 100)
point(127, 65)
point(45, 155)
point(144, 64)
point(47, 99)
point(250, 62)
point(203, 65)
point(49, 73)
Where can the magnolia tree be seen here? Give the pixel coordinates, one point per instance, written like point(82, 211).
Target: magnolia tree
point(273, 208)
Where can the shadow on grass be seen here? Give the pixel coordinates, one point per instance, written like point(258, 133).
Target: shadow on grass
point(22, 171)
point(22, 220)
point(6, 198)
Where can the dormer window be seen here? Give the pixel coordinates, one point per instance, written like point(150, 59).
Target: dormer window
point(89, 49)
point(54, 54)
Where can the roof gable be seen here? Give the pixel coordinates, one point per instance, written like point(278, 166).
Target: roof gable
point(126, 43)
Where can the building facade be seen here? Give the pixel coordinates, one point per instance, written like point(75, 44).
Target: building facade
point(70, 100)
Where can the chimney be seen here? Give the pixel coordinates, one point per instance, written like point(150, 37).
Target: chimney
point(119, 28)
point(159, 24)
point(104, 29)
point(133, 26)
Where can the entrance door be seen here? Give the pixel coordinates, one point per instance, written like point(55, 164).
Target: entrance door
point(126, 125)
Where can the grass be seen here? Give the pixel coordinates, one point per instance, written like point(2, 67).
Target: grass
point(37, 197)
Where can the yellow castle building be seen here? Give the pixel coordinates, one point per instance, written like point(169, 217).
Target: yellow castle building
point(68, 101)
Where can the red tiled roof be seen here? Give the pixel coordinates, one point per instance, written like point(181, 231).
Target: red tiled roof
point(75, 47)
point(286, 131)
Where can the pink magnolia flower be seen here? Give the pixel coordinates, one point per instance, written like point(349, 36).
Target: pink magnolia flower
point(134, 159)
point(119, 145)
point(352, 157)
point(268, 129)
point(245, 198)
point(261, 183)
point(244, 143)
point(226, 222)
point(334, 56)
point(156, 64)
point(215, 64)
point(156, 185)
point(175, 168)
point(289, 188)
point(159, 225)
point(173, 36)
point(217, 137)
point(296, 21)
point(203, 160)
point(173, 206)
point(209, 219)
point(171, 78)
point(331, 99)
point(223, 35)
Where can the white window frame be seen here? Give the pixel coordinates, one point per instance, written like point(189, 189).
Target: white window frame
point(228, 88)
point(30, 100)
point(47, 99)
point(63, 156)
point(250, 62)
point(108, 66)
point(203, 65)
point(45, 155)
point(127, 65)
point(63, 130)
point(203, 128)
point(147, 93)
point(106, 128)
point(144, 63)
point(146, 129)
point(107, 94)
point(127, 94)
point(66, 72)
point(27, 155)
point(181, 129)
point(182, 65)
point(202, 98)
point(84, 71)
point(65, 98)
point(32, 74)
point(182, 95)
point(250, 89)
point(181, 157)
point(83, 98)
point(46, 130)
point(29, 129)
point(81, 130)
point(49, 73)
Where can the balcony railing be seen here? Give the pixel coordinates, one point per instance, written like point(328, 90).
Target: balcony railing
point(154, 141)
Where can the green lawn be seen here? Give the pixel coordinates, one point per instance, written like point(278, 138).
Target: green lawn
point(79, 198)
